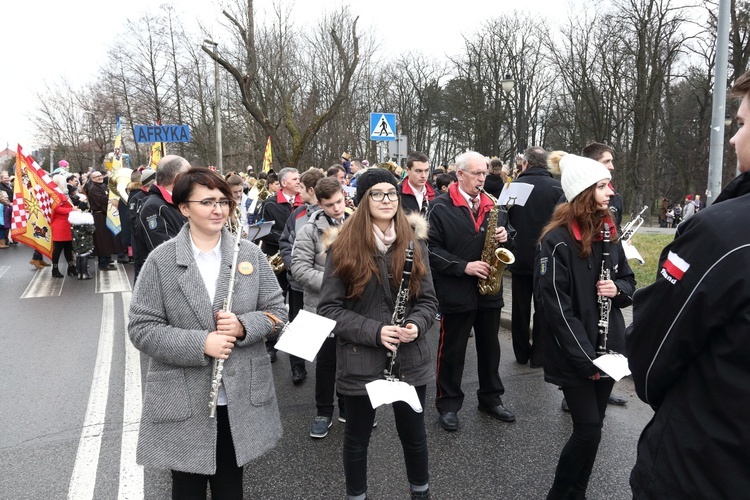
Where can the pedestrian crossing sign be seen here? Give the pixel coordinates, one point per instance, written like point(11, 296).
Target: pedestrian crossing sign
point(382, 126)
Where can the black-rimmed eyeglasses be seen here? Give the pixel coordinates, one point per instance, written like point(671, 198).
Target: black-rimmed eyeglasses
point(379, 196)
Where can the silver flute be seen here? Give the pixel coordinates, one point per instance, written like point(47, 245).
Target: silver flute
point(218, 371)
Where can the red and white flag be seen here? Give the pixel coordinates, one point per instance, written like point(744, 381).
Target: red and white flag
point(675, 266)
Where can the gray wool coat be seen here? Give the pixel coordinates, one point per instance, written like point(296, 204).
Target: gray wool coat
point(170, 317)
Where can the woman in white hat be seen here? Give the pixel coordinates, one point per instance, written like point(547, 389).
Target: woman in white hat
point(569, 283)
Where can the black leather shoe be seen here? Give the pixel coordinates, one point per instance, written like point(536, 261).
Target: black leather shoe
point(617, 400)
point(449, 421)
point(298, 375)
point(499, 412)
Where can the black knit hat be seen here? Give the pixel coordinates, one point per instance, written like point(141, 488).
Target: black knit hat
point(371, 177)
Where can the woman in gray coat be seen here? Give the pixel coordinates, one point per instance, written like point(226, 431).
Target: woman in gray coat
point(361, 281)
point(177, 320)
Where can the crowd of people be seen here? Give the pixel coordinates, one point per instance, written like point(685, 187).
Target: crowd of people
point(210, 301)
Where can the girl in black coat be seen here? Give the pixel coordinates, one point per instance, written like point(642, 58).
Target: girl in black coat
point(567, 282)
point(363, 271)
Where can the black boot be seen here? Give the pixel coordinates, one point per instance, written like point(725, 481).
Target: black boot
point(56, 272)
point(72, 269)
point(83, 268)
point(422, 495)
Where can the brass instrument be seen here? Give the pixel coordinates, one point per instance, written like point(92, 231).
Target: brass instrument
point(235, 226)
point(493, 254)
point(277, 263)
point(634, 225)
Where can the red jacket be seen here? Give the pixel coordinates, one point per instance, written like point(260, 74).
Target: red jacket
point(60, 226)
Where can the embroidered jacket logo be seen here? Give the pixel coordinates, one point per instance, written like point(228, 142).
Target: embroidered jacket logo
point(674, 268)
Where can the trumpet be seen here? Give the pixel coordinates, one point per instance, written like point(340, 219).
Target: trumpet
point(634, 225)
point(218, 371)
point(277, 263)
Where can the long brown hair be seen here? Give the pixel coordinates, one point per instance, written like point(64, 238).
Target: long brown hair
point(355, 246)
point(585, 211)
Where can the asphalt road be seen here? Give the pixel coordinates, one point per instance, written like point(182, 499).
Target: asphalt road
point(70, 399)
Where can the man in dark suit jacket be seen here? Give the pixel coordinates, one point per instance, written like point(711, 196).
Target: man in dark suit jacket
point(528, 221)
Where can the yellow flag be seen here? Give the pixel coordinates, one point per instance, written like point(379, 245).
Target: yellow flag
point(117, 153)
point(157, 153)
point(35, 197)
point(268, 157)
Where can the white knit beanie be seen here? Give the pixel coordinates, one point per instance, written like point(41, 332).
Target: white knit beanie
point(579, 173)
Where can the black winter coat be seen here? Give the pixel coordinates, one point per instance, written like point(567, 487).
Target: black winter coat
point(276, 208)
point(455, 239)
point(158, 221)
point(689, 351)
point(565, 285)
point(529, 220)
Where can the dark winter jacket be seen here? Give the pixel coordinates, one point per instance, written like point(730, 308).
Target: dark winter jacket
point(457, 238)
point(360, 356)
point(276, 208)
point(688, 349)
point(565, 285)
point(529, 220)
point(159, 220)
point(493, 184)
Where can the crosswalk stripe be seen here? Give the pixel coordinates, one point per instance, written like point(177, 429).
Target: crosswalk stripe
point(112, 281)
point(131, 474)
point(43, 285)
point(3, 270)
point(83, 479)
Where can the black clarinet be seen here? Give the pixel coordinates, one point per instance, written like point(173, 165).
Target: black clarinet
point(399, 309)
point(605, 303)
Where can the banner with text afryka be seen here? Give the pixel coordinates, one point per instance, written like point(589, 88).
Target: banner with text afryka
point(382, 126)
point(162, 133)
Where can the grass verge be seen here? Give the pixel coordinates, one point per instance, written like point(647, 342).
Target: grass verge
point(650, 246)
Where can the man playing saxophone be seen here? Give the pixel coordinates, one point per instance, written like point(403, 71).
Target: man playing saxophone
point(458, 224)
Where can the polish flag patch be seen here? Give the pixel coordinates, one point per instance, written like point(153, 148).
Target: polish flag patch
point(675, 267)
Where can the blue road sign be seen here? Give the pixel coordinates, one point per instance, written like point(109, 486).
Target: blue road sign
point(382, 126)
point(162, 133)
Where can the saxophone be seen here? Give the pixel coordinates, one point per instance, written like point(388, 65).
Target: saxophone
point(496, 256)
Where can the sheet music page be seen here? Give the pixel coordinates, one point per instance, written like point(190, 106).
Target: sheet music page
point(383, 392)
point(259, 230)
point(304, 336)
point(515, 193)
point(614, 365)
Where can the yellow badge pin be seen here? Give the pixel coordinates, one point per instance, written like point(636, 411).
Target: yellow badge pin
point(245, 268)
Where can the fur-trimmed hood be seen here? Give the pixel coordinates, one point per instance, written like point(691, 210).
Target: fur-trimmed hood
point(79, 218)
point(418, 223)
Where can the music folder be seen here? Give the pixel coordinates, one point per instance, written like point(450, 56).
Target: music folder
point(257, 231)
point(614, 364)
point(304, 336)
point(515, 193)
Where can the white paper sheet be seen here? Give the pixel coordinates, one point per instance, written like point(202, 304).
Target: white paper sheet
point(515, 193)
point(631, 252)
point(384, 392)
point(259, 230)
point(615, 365)
point(304, 336)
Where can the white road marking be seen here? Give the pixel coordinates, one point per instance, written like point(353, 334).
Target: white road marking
point(112, 281)
point(131, 474)
point(3, 270)
point(43, 285)
point(83, 479)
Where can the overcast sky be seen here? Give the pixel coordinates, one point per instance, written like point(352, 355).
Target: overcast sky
point(44, 41)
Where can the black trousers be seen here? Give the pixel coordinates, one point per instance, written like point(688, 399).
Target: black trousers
point(454, 336)
point(295, 306)
point(59, 247)
point(325, 379)
point(360, 416)
point(226, 484)
point(522, 287)
point(588, 404)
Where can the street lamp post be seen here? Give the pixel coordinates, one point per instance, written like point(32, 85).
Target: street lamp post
point(217, 109)
point(91, 138)
point(507, 85)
